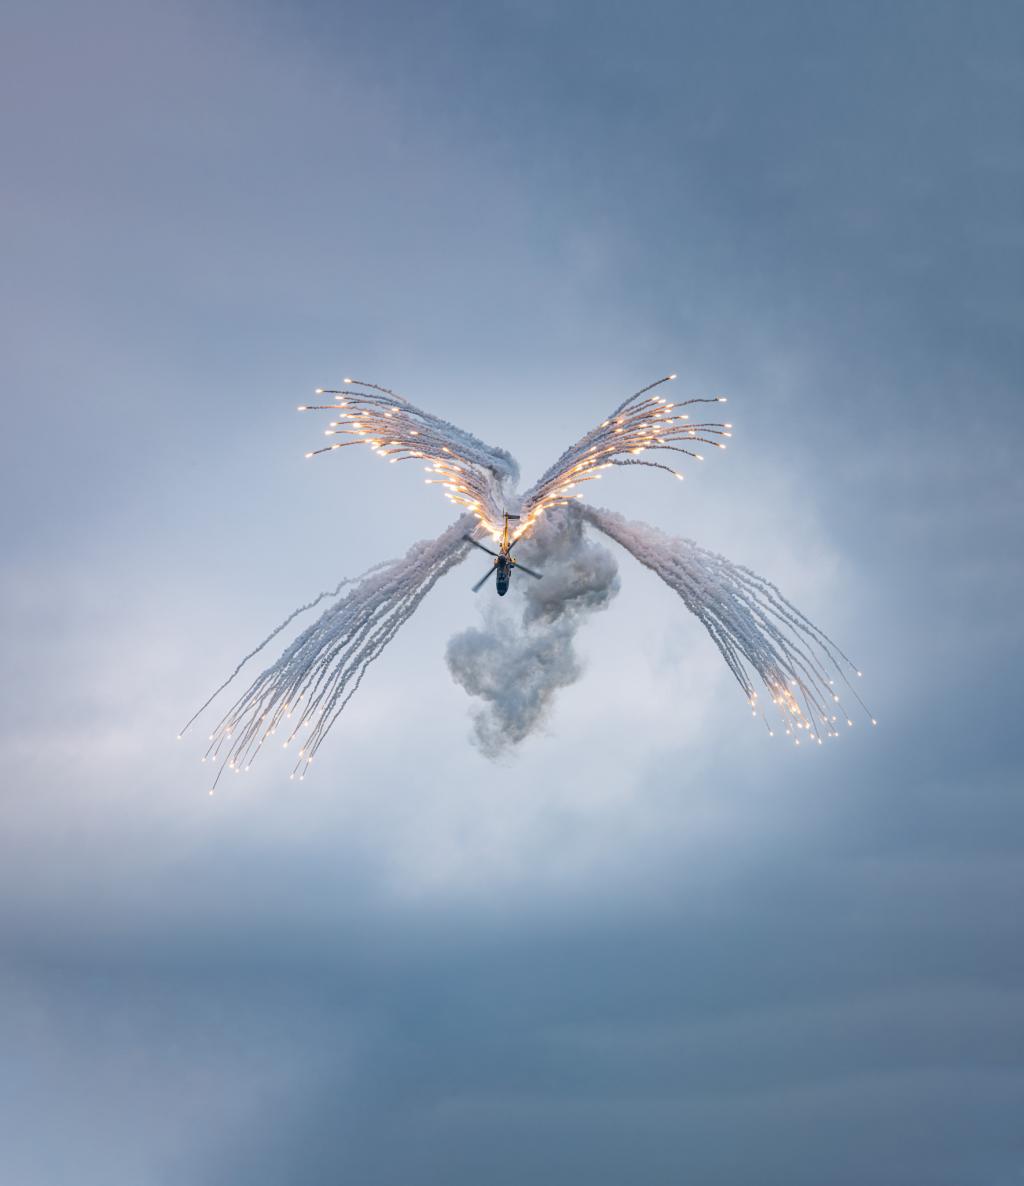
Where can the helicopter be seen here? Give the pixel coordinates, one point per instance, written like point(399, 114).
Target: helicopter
point(504, 561)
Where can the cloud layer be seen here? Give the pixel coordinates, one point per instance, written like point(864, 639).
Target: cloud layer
point(659, 946)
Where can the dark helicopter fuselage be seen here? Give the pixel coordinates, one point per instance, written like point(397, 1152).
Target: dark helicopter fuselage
point(502, 573)
point(504, 561)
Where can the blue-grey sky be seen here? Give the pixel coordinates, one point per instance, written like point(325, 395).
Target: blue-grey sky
point(654, 946)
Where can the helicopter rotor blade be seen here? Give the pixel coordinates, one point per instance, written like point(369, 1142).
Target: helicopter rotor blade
point(483, 580)
point(528, 571)
point(470, 540)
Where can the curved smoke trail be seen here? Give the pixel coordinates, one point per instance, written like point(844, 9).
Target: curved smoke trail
point(322, 669)
point(753, 626)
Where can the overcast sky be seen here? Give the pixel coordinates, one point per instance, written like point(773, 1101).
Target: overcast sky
point(654, 945)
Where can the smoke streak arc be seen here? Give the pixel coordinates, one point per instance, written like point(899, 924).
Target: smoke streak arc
point(638, 425)
point(752, 624)
point(323, 667)
point(476, 476)
point(272, 635)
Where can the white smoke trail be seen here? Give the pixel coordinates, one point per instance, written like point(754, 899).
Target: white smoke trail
point(751, 623)
point(642, 423)
point(472, 475)
point(321, 670)
point(515, 666)
point(274, 633)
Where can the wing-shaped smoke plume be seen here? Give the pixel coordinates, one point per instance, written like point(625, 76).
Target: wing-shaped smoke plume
point(642, 423)
point(303, 693)
point(515, 666)
point(473, 475)
point(754, 627)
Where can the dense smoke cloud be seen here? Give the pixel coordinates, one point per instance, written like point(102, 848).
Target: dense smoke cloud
point(515, 663)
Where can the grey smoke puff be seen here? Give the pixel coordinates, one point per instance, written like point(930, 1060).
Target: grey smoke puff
point(517, 662)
